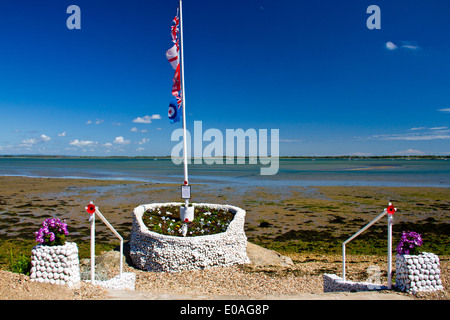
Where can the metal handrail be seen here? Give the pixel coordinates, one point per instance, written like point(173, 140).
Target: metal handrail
point(390, 221)
point(92, 219)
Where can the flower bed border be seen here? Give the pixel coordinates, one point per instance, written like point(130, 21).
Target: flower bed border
point(415, 273)
point(152, 251)
point(55, 264)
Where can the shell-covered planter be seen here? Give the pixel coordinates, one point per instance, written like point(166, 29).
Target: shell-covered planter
point(55, 264)
point(418, 272)
point(156, 252)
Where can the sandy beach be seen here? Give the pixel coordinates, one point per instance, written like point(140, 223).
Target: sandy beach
point(306, 224)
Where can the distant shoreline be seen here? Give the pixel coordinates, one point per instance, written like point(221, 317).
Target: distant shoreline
point(352, 157)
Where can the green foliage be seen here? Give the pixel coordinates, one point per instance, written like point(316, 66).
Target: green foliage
point(166, 220)
point(20, 264)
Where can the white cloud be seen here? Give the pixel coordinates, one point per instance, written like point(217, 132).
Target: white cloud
point(28, 143)
point(98, 121)
point(45, 138)
point(391, 46)
point(140, 149)
point(411, 47)
point(62, 134)
point(134, 129)
point(144, 140)
point(121, 140)
point(405, 45)
point(444, 110)
point(409, 152)
point(144, 130)
point(31, 142)
point(422, 136)
point(108, 145)
point(82, 143)
point(147, 119)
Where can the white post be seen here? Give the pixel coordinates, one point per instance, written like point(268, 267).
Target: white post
point(121, 258)
point(183, 97)
point(92, 247)
point(389, 273)
point(343, 261)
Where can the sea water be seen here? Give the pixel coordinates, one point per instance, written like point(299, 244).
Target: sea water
point(292, 171)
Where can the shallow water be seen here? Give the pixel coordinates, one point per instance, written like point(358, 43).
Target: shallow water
point(292, 172)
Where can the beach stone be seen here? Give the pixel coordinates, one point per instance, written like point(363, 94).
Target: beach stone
point(264, 257)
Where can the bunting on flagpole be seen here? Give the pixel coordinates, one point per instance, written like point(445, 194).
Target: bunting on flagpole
point(173, 56)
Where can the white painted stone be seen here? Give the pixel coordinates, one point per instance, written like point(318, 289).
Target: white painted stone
point(423, 273)
point(48, 267)
point(155, 252)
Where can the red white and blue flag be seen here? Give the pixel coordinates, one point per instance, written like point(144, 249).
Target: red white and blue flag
point(173, 56)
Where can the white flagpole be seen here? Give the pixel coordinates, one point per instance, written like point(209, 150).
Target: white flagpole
point(183, 97)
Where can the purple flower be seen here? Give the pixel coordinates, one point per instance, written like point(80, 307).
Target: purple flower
point(408, 242)
point(52, 232)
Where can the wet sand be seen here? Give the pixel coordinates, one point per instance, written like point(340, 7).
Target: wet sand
point(272, 214)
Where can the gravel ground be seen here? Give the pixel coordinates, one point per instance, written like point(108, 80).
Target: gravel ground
point(245, 281)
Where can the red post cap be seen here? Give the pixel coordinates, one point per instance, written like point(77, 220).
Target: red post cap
point(390, 209)
point(90, 208)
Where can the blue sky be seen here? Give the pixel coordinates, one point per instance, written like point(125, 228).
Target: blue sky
point(311, 69)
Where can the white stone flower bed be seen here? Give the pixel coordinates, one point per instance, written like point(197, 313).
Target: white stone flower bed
point(334, 283)
point(418, 272)
point(55, 264)
point(125, 282)
point(156, 252)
